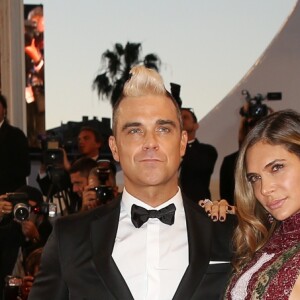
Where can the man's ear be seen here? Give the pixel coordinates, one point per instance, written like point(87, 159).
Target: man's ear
point(196, 126)
point(183, 142)
point(113, 147)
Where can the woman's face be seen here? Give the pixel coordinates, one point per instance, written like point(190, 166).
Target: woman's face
point(274, 174)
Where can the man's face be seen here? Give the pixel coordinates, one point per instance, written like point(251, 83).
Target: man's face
point(87, 143)
point(2, 112)
point(188, 122)
point(78, 182)
point(148, 143)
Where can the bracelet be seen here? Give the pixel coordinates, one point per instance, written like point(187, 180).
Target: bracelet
point(39, 65)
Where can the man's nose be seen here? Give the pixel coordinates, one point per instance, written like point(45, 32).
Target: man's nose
point(150, 141)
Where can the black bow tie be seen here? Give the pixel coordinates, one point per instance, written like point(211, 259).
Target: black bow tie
point(140, 215)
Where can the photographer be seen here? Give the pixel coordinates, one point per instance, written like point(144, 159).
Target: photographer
point(19, 238)
point(89, 141)
point(101, 187)
point(247, 122)
point(35, 86)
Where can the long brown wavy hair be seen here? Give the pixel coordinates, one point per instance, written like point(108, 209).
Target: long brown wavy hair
point(254, 228)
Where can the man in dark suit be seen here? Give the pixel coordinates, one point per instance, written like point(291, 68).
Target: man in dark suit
point(14, 153)
point(151, 243)
point(198, 162)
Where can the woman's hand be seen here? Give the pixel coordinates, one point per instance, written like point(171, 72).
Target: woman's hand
point(217, 210)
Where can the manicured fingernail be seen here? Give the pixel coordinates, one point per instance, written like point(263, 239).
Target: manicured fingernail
point(214, 218)
point(221, 219)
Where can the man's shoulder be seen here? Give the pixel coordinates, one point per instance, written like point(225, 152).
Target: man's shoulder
point(82, 219)
point(13, 130)
point(205, 146)
point(231, 155)
point(195, 208)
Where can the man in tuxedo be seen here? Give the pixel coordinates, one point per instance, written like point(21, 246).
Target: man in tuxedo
point(198, 162)
point(151, 243)
point(14, 153)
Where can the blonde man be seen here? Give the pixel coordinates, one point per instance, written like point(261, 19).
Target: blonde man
point(150, 243)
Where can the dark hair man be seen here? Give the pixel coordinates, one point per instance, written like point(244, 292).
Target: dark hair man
point(14, 153)
point(89, 142)
point(79, 173)
point(151, 243)
point(198, 162)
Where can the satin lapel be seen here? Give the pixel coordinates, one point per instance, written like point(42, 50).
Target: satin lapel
point(199, 229)
point(103, 234)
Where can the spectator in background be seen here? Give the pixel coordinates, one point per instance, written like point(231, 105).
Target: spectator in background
point(32, 265)
point(14, 153)
point(35, 85)
point(19, 238)
point(227, 182)
point(198, 163)
point(79, 173)
point(103, 178)
point(89, 144)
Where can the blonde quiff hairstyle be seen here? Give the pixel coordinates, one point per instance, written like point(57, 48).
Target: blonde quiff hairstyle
point(254, 227)
point(143, 82)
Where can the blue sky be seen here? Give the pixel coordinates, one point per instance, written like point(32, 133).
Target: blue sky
point(206, 46)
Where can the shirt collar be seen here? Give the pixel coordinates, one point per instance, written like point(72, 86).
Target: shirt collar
point(1, 123)
point(191, 141)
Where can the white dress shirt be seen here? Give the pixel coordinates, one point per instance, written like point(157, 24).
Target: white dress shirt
point(153, 258)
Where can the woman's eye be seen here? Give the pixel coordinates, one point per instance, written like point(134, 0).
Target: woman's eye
point(253, 178)
point(277, 167)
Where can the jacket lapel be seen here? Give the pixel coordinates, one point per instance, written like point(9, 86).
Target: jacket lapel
point(199, 228)
point(103, 234)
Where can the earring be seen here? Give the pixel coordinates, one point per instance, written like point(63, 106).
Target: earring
point(270, 218)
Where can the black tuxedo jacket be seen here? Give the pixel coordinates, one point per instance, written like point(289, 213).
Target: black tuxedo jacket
point(14, 158)
point(196, 168)
point(77, 261)
point(227, 183)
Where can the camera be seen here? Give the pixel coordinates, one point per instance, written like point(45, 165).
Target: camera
point(256, 108)
point(104, 192)
point(22, 208)
point(52, 154)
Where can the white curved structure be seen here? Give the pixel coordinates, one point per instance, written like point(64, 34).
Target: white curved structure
point(277, 70)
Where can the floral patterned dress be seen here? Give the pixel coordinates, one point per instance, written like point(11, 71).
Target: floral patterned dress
point(274, 269)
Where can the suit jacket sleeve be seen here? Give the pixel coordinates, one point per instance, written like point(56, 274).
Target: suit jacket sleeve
point(49, 283)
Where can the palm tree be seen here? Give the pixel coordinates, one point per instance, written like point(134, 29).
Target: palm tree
point(115, 68)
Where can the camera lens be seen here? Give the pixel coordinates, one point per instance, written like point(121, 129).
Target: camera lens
point(21, 211)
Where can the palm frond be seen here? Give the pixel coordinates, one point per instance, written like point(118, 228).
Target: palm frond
point(116, 65)
point(113, 61)
point(132, 53)
point(102, 84)
point(152, 61)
